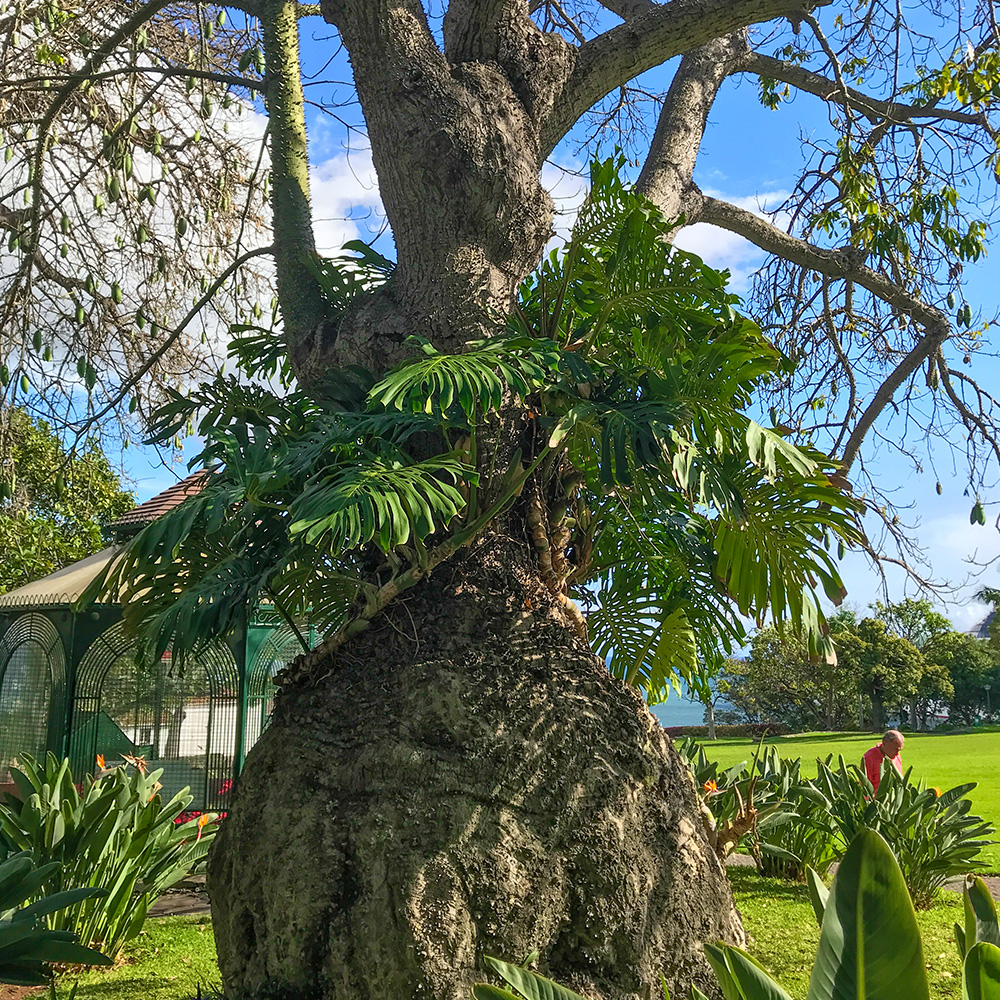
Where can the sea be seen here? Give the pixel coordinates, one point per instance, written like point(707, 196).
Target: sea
point(679, 711)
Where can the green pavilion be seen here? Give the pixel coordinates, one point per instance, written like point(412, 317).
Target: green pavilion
point(74, 683)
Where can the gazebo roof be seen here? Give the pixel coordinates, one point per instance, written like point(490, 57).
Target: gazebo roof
point(66, 585)
point(174, 496)
point(62, 587)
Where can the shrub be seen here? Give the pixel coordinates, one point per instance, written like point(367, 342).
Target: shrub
point(735, 802)
point(112, 831)
point(933, 834)
point(788, 840)
point(869, 944)
point(26, 949)
point(753, 730)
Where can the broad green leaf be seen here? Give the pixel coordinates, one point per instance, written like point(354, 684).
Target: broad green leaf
point(980, 915)
point(818, 894)
point(483, 991)
point(751, 979)
point(530, 984)
point(869, 947)
point(981, 973)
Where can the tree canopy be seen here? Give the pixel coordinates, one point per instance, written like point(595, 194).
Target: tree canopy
point(55, 502)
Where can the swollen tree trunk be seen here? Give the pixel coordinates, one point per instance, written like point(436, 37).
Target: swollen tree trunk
point(466, 780)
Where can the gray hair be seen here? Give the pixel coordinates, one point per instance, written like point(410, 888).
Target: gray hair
point(893, 736)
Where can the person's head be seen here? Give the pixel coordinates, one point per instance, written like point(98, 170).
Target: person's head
point(892, 742)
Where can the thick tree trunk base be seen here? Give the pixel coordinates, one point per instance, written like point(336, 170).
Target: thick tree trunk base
point(469, 781)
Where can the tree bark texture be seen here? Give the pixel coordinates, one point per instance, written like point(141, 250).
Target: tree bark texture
point(468, 780)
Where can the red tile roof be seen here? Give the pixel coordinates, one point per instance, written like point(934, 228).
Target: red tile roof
point(165, 501)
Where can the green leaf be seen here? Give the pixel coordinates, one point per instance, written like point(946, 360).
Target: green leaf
point(818, 894)
point(981, 973)
point(530, 984)
point(483, 991)
point(744, 977)
point(980, 914)
point(858, 956)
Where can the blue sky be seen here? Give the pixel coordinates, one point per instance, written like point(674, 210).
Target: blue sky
point(750, 155)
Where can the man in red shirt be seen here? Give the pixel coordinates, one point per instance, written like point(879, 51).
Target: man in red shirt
point(874, 760)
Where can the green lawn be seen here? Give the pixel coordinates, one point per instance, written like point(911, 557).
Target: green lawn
point(173, 959)
point(939, 760)
point(784, 934)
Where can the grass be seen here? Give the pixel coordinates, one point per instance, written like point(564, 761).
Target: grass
point(784, 934)
point(942, 760)
point(173, 959)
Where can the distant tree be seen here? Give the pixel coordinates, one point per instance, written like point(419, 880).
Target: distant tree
point(888, 667)
point(971, 664)
point(54, 500)
point(919, 623)
point(780, 682)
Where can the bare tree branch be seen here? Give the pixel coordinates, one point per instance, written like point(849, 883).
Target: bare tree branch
point(648, 40)
point(667, 173)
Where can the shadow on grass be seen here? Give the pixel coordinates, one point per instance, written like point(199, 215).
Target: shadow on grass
point(147, 987)
point(748, 883)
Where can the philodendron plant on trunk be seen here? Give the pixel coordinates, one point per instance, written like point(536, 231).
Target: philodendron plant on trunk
point(443, 521)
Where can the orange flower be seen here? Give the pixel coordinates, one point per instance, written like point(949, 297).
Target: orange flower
point(937, 792)
point(203, 820)
point(709, 787)
point(100, 762)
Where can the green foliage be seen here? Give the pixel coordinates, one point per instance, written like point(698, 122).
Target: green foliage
point(27, 946)
point(888, 667)
point(742, 800)
point(869, 946)
point(527, 985)
point(933, 834)
point(981, 922)
point(54, 502)
point(626, 375)
point(114, 833)
point(779, 681)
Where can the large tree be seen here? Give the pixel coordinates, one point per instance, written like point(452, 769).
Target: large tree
point(419, 796)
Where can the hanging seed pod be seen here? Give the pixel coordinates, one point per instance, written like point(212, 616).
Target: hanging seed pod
point(951, 300)
point(37, 341)
point(937, 486)
point(4, 376)
point(978, 515)
point(116, 294)
point(25, 384)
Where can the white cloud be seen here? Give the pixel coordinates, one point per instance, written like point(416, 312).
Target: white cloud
point(724, 250)
point(345, 201)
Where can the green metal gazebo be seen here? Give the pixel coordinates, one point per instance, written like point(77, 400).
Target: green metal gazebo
point(76, 684)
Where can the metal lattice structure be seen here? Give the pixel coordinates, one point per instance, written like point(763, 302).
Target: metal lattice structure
point(277, 650)
point(74, 683)
point(185, 723)
point(32, 684)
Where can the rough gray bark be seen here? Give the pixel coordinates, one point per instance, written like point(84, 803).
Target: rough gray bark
point(468, 780)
